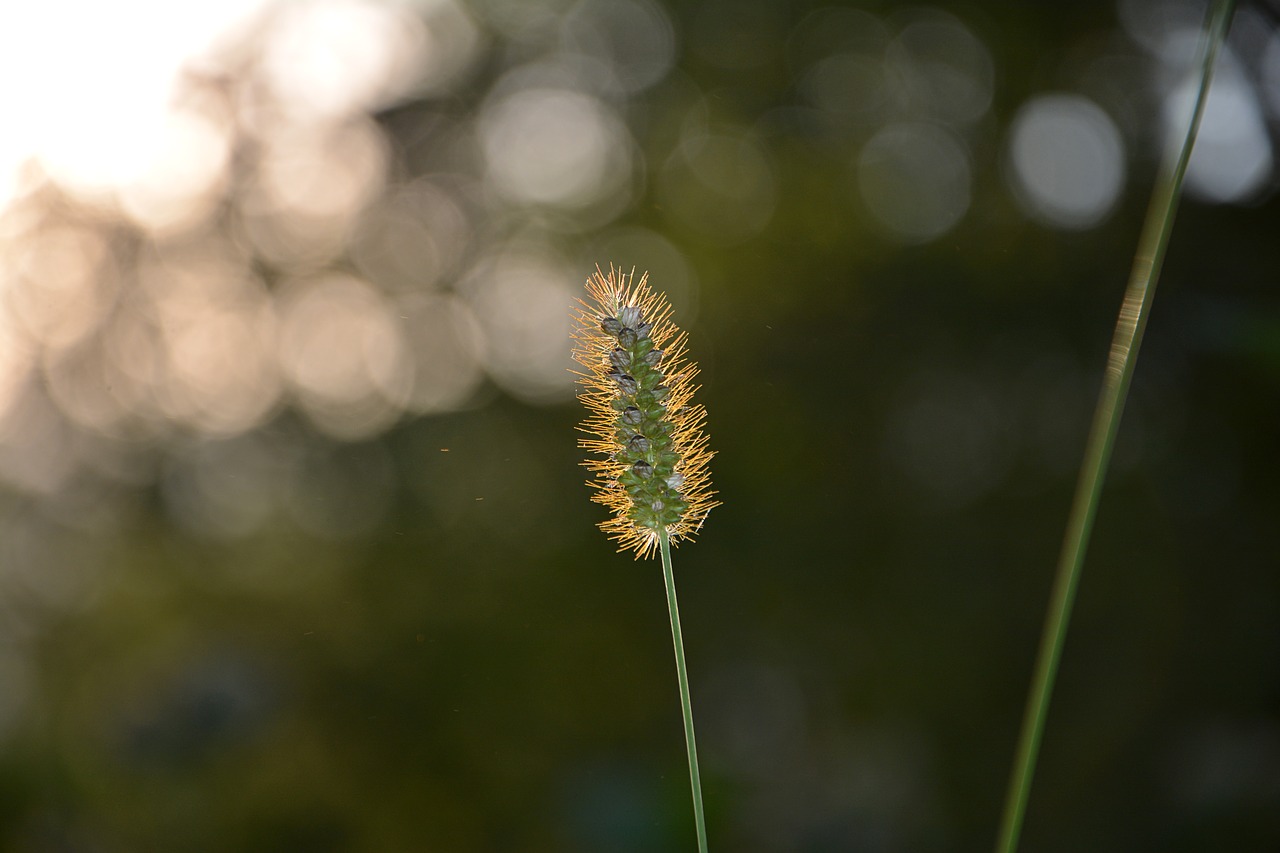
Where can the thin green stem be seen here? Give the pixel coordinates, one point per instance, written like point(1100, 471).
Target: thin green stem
point(695, 780)
point(1115, 388)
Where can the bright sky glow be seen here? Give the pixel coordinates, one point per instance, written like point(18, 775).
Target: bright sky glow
point(87, 86)
point(215, 210)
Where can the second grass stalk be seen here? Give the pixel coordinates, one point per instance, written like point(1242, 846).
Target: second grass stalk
point(1106, 422)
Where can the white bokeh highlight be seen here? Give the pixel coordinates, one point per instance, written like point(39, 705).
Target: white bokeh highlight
point(1066, 161)
point(554, 147)
point(915, 179)
point(1232, 160)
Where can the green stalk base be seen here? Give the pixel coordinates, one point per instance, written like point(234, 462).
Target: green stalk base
point(695, 780)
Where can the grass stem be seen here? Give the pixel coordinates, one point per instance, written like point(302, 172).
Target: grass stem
point(1115, 388)
point(686, 705)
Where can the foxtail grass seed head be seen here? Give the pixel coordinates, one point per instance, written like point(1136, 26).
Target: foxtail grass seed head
point(649, 451)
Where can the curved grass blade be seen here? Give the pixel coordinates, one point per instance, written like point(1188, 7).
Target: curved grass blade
point(1106, 422)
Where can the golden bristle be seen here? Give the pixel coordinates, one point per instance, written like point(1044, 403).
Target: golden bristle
point(650, 457)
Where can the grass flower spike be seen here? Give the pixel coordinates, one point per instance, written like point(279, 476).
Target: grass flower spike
point(650, 450)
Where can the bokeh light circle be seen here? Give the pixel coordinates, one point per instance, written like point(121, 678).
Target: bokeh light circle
point(519, 298)
point(554, 147)
point(720, 184)
point(631, 41)
point(343, 351)
point(1066, 161)
point(1233, 159)
point(939, 68)
point(915, 180)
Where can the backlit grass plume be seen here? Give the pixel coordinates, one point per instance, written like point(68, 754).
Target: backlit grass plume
point(649, 450)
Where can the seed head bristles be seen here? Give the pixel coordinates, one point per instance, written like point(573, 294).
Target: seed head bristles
point(650, 451)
